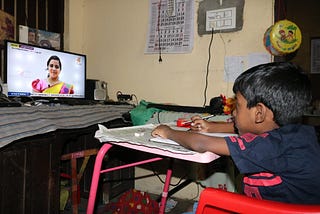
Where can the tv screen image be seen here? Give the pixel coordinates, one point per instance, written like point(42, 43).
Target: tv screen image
point(33, 71)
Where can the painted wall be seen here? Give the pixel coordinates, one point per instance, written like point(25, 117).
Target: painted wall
point(113, 34)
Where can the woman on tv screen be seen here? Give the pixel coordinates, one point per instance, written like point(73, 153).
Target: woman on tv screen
point(52, 84)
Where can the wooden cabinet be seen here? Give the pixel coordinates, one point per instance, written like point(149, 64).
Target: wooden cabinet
point(30, 170)
point(29, 175)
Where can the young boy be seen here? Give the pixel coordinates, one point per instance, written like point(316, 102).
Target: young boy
point(279, 157)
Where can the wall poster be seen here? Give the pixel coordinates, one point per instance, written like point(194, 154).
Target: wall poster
point(40, 38)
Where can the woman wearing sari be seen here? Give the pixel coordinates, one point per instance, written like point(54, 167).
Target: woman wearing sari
point(52, 84)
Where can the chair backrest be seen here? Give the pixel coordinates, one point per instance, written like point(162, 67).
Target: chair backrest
point(219, 201)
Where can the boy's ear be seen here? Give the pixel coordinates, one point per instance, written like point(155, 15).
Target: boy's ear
point(261, 113)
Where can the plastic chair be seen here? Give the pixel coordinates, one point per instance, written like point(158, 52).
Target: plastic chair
point(75, 176)
point(219, 201)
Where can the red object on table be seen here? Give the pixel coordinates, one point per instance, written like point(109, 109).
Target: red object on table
point(183, 122)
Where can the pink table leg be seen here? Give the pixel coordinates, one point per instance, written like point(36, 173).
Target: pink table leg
point(165, 191)
point(96, 176)
point(97, 171)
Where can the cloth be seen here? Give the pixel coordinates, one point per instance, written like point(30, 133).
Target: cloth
point(42, 86)
point(141, 114)
point(280, 165)
point(19, 122)
point(132, 202)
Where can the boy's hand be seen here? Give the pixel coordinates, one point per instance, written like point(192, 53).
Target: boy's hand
point(161, 131)
point(199, 125)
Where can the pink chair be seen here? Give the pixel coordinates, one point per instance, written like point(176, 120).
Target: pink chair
point(219, 201)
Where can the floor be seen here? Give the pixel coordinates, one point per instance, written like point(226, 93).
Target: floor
point(181, 206)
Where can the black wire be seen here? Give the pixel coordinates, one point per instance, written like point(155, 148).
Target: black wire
point(162, 181)
point(207, 72)
point(128, 179)
point(158, 117)
point(133, 95)
point(160, 59)
point(198, 190)
point(159, 40)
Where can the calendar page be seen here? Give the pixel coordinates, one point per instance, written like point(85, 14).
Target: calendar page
point(171, 25)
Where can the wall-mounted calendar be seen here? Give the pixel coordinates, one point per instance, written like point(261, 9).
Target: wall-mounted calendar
point(171, 26)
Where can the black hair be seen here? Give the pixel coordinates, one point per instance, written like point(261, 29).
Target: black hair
point(54, 58)
point(281, 86)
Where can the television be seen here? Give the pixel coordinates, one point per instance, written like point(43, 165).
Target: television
point(42, 73)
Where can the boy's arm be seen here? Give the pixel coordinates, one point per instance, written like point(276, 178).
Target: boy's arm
point(194, 141)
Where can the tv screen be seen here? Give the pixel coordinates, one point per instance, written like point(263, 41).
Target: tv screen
point(33, 71)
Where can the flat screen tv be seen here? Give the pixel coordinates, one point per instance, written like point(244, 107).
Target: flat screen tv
point(41, 73)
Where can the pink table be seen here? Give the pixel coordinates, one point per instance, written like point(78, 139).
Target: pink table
point(206, 157)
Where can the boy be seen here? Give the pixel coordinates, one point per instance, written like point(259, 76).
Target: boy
point(279, 157)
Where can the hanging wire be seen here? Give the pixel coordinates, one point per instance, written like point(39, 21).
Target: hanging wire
point(158, 28)
point(207, 72)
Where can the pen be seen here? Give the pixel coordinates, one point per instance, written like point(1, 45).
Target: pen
point(203, 118)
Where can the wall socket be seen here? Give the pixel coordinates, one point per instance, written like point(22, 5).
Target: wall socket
point(221, 19)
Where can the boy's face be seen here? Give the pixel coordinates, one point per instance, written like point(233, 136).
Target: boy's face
point(244, 117)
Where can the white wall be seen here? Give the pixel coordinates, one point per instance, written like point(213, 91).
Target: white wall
point(112, 33)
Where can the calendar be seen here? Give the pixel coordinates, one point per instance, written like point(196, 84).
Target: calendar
point(171, 26)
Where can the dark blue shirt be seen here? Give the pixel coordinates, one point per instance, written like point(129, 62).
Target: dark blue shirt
point(280, 165)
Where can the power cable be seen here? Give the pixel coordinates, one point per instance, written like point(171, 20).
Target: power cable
point(207, 71)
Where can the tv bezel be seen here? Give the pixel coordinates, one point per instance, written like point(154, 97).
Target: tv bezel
point(51, 96)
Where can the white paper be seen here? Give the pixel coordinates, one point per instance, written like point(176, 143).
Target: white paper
point(141, 135)
point(257, 59)
point(233, 67)
point(137, 135)
point(163, 140)
point(168, 141)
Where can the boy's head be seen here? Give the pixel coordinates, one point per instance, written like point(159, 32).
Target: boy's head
point(281, 86)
